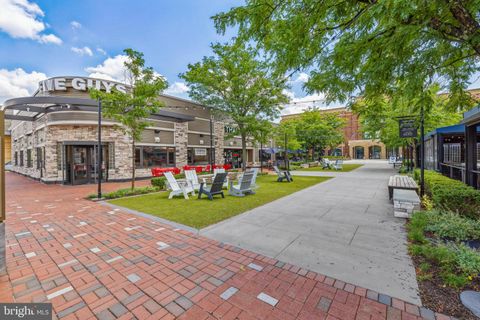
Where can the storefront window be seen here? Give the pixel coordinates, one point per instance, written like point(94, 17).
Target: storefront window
point(198, 156)
point(39, 152)
point(151, 157)
point(29, 158)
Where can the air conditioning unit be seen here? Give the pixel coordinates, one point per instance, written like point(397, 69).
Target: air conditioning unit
point(157, 139)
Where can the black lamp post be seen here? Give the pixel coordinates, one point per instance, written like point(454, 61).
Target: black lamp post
point(99, 147)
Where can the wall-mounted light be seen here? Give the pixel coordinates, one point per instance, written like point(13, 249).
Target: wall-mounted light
point(201, 141)
point(157, 139)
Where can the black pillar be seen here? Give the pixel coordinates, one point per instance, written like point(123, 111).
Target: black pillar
point(99, 148)
point(470, 154)
point(422, 152)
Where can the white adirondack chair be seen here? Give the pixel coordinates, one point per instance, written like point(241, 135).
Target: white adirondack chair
point(178, 189)
point(191, 175)
point(338, 165)
point(243, 187)
point(254, 178)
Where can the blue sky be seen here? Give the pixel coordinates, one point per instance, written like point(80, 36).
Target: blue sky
point(45, 38)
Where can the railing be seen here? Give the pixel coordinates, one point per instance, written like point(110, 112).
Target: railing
point(453, 170)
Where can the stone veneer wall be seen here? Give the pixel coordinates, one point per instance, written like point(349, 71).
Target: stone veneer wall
point(3, 260)
point(50, 136)
point(181, 144)
point(219, 134)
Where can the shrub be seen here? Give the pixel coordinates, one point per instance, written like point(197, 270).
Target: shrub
point(458, 264)
point(159, 182)
point(451, 194)
point(126, 192)
point(468, 260)
point(453, 226)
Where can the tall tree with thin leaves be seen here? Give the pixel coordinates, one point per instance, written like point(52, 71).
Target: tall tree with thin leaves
point(132, 109)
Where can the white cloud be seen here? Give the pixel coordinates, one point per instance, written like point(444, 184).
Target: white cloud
point(18, 83)
point(300, 104)
point(85, 51)
point(22, 19)
point(302, 78)
point(177, 88)
point(102, 51)
point(75, 24)
point(110, 69)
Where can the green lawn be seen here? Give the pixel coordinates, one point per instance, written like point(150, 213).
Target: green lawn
point(346, 168)
point(201, 213)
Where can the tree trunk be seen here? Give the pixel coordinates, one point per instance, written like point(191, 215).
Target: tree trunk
point(133, 164)
point(244, 151)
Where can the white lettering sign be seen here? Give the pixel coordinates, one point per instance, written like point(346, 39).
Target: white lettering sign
point(80, 84)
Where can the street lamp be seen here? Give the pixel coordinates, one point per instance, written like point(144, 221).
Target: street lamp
point(99, 147)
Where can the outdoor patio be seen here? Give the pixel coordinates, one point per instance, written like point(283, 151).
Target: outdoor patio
point(99, 262)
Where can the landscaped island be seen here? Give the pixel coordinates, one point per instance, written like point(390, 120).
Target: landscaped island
point(201, 213)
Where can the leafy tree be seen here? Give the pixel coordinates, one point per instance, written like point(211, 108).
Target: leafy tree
point(285, 136)
point(318, 131)
point(131, 109)
point(262, 131)
point(287, 130)
point(234, 82)
point(379, 116)
point(367, 47)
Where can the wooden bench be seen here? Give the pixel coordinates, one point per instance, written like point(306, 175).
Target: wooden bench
point(401, 182)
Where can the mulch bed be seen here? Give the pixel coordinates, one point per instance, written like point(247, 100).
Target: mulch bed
point(442, 299)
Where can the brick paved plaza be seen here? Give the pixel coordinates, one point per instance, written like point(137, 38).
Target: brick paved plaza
point(91, 262)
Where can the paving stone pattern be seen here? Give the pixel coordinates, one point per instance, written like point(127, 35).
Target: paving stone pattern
point(197, 278)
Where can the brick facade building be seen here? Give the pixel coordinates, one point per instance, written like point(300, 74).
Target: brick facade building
point(355, 145)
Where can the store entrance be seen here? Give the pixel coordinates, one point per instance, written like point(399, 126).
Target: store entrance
point(81, 164)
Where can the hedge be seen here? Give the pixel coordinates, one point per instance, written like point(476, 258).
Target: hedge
point(451, 194)
point(126, 192)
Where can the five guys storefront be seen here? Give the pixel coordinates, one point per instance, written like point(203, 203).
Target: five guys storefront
point(54, 136)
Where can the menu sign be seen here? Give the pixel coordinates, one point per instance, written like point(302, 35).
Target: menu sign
point(408, 128)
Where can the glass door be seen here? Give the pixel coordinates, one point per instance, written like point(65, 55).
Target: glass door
point(93, 164)
point(80, 165)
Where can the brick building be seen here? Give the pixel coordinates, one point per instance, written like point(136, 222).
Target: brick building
point(355, 145)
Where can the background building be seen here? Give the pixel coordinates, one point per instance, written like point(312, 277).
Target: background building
point(355, 145)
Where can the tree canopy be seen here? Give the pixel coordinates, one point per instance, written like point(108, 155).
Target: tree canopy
point(380, 119)
point(235, 82)
point(366, 47)
point(132, 109)
point(315, 130)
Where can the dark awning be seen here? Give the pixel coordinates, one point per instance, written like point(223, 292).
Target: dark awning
point(31, 107)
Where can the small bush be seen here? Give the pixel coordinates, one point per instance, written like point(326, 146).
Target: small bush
point(453, 226)
point(468, 260)
point(427, 203)
point(450, 194)
point(458, 264)
point(159, 182)
point(126, 192)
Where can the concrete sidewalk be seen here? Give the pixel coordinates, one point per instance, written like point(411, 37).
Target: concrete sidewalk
point(343, 228)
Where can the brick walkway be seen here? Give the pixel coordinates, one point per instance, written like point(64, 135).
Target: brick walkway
point(93, 262)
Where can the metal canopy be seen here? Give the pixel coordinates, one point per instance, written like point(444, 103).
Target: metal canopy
point(36, 106)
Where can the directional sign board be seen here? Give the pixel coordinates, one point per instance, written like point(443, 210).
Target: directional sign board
point(408, 128)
